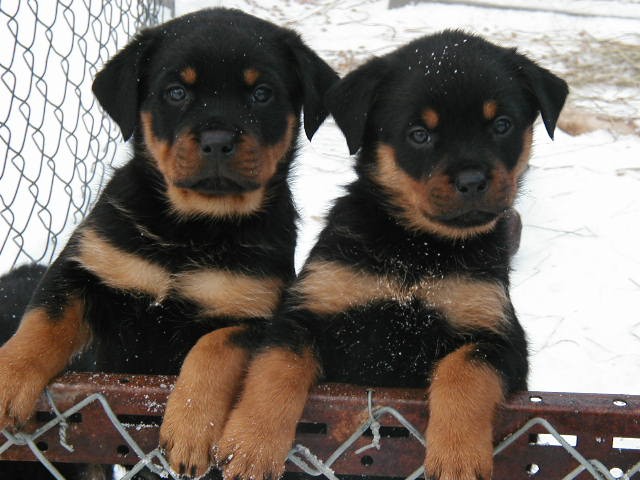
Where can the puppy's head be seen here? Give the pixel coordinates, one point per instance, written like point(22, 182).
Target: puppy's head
point(445, 126)
point(215, 98)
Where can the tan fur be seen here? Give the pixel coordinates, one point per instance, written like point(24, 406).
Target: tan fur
point(467, 303)
point(431, 118)
point(120, 269)
point(189, 75)
point(329, 287)
point(176, 162)
point(222, 292)
point(272, 155)
point(463, 398)
point(416, 198)
point(182, 160)
point(159, 149)
point(209, 381)
point(37, 352)
point(187, 203)
point(504, 184)
point(263, 424)
point(489, 109)
point(250, 76)
point(523, 159)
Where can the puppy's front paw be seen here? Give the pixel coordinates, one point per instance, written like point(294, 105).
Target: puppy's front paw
point(458, 462)
point(252, 452)
point(209, 381)
point(188, 432)
point(21, 384)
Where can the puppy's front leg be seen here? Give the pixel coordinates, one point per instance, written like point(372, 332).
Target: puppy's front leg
point(463, 397)
point(51, 331)
point(209, 382)
point(262, 427)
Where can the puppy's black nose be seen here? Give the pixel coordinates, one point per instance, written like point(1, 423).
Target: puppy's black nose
point(471, 182)
point(218, 143)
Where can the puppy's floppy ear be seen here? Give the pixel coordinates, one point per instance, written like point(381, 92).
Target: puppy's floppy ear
point(548, 90)
point(315, 79)
point(117, 86)
point(350, 100)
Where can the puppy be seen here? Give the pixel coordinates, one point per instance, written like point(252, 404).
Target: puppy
point(192, 241)
point(408, 284)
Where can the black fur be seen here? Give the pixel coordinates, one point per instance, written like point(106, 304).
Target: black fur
point(16, 288)
point(442, 126)
point(131, 329)
point(387, 343)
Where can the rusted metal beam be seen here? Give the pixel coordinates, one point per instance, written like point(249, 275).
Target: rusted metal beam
point(334, 412)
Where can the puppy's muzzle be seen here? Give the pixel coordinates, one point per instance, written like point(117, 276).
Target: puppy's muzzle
point(474, 201)
point(216, 176)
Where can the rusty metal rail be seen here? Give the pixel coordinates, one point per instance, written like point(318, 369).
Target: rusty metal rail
point(576, 428)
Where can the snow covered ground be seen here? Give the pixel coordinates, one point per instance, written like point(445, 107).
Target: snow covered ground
point(576, 280)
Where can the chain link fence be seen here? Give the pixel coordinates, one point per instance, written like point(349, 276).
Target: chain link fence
point(344, 430)
point(56, 147)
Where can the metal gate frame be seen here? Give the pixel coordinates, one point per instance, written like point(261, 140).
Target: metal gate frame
point(536, 432)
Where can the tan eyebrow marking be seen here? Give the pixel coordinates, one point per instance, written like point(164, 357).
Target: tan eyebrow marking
point(431, 118)
point(489, 109)
point(251, 76)
point(189, 75)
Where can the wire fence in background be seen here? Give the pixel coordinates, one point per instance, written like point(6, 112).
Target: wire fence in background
point(56, 147)
point(372, 432)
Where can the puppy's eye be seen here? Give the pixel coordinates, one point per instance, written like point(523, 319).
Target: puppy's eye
point(501, 125)
point(419, 136)
point(175, 94)
point(262, 94)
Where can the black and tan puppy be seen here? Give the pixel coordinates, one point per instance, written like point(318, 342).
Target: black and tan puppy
point(193, 239)
point(408, 284)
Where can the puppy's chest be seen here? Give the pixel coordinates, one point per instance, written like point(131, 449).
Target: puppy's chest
point(385, 343)
point(466, 300)
point(193, 276)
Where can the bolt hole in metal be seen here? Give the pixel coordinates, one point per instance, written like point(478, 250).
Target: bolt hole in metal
point(535, 399)
point(122, 450)
point(367, 460)
point(620, 403)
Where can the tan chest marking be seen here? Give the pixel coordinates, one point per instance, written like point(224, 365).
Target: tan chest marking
point(222, 292)
point(119, 269)
point(328, 287)
point(218, 292)
point(467, 303)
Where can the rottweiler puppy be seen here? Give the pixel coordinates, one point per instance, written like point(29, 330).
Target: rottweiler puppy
point(408, 284)
point(192, 241)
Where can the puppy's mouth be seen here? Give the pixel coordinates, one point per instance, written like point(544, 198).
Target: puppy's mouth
point(470, 218)
point(218, 186)
point(474, 218)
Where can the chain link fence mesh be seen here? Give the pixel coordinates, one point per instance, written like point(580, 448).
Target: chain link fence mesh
point(300, 456)
point(56, 147)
